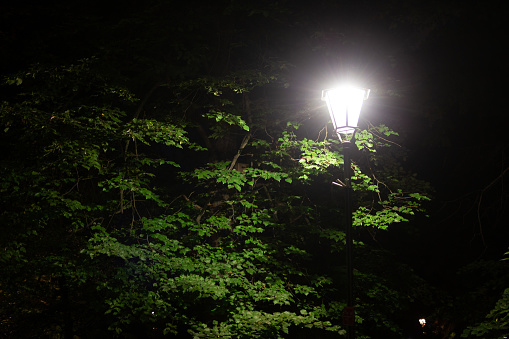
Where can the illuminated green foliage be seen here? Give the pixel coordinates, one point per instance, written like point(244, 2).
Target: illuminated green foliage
point(233, 255)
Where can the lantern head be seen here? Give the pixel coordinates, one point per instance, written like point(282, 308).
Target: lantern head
point(345, 105)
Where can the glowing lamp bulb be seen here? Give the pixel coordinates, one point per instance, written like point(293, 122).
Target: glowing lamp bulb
point(345, 104)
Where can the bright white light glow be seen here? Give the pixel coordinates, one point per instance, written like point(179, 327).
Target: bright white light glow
point(345, 105)
point(422, 322)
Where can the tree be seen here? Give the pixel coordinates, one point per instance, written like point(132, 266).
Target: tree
point(67, 146)
point(114, 208)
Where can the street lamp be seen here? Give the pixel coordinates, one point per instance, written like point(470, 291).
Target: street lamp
point(345, 105)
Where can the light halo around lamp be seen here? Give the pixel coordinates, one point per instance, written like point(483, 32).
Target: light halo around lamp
point(345, 104)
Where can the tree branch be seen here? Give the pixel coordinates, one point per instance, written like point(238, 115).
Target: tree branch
point(242, 145)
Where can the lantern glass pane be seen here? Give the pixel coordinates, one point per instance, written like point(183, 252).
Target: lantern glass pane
point(345, 105)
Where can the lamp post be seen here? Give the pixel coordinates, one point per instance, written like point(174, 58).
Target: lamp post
point(345, 105)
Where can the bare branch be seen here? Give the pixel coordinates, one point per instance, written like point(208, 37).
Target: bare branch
point(242, 145)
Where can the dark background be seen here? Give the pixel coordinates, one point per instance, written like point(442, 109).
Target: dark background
point(437, 70)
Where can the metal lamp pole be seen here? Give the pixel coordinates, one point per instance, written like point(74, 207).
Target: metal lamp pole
point(349, 312)
point(345, 105)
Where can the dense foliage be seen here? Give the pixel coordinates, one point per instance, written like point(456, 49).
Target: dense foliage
point(242, 248)
point(164, 173)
